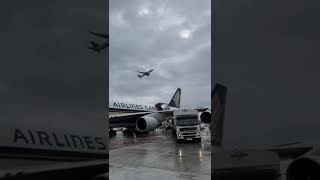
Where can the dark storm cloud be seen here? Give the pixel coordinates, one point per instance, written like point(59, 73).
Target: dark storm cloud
point(47, 73)
point(173, 38)
point(267, 53)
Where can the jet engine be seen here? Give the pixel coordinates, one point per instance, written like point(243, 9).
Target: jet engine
point(205, 117)
point(147, 123)
point(104, 176)
point(306, 167)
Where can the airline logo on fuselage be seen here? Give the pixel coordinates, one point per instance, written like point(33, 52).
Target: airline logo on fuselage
point(119, 105)
point(41, 138)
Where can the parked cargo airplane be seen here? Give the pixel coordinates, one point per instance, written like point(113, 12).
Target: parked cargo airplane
point(295, 161)
point(36, 150)
point(142, 119)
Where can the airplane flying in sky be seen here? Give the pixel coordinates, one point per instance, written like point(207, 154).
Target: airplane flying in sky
point(147, 73)
point(142, 119)
point(96, 46)
point(290, 161)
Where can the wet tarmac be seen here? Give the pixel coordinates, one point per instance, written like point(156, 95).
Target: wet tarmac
point(159, 156)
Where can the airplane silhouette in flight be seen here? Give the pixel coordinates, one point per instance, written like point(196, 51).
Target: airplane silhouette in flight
point(96, 46)
point(147, 73)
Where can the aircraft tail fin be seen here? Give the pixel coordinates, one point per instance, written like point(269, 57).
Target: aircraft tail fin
point(218, 98)
point(175, 101)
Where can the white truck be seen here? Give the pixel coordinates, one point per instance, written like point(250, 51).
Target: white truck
point(186, 125)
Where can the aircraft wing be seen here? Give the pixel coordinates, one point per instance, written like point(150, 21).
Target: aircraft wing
point(129, 119)
point(290, 150)
point(129, 116)
point(290, 162)
point(201, 109)
point(96, 169)
point(105, 36)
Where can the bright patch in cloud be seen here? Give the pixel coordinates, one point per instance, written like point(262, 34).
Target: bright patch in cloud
point(144, 11)
point(185, 34)
point(117, 20)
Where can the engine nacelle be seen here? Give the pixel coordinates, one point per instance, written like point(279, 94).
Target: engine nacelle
point(104, 176)
point(307, 167)
point(147, 123)
point(205, 117)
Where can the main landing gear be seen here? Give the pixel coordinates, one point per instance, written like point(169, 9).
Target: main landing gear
point(132, 132)
point(112, 132)
point(127, 132)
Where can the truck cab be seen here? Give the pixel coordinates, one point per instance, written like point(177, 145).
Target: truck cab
point(186, 125)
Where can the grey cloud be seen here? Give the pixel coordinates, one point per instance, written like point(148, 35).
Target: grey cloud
point(152, 41)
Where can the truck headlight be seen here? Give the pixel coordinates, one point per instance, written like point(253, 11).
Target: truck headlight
point(198, 133)
point(179, 134)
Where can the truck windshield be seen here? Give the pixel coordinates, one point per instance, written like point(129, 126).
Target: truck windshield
point(187, 122)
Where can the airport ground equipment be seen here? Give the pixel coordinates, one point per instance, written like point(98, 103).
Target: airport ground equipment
point(186, 125)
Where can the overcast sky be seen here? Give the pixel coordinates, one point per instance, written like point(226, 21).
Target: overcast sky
point(173, 37)
point(267, 53)
point(48, 77)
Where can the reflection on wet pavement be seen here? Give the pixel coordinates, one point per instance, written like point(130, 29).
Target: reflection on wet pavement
point(159, 156)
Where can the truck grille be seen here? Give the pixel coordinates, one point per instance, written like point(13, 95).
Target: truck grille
point(188, 133)
point(190, 136)
point(188, 129)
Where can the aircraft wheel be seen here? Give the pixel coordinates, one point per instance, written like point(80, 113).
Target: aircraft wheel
point(137, 132)
point(129, 133)
point(112, 132)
